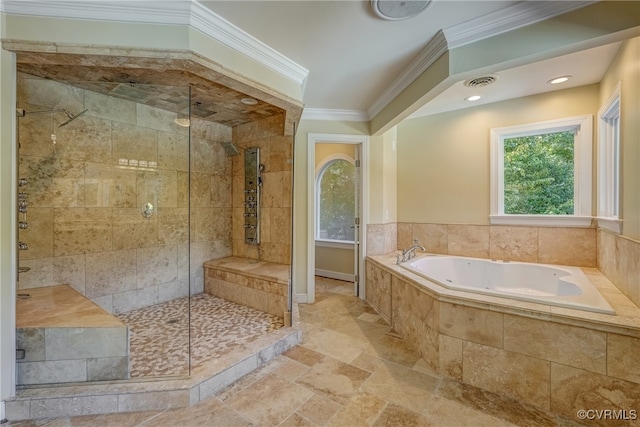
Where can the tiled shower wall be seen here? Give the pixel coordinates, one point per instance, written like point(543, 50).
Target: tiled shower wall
point(276, 207)
point(85, 223)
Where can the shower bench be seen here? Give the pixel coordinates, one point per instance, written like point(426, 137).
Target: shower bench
point(256, 284)
point(63, 337)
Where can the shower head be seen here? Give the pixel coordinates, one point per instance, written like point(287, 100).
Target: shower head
point(72, 117)
point(230, 148)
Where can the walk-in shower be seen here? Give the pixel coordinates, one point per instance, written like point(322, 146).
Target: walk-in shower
point(88, 159)
point(131, 280)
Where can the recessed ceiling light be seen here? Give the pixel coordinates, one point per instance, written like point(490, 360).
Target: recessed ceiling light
point(249, 101)
point(558, 80)
point(394, 10)
point(472, 98)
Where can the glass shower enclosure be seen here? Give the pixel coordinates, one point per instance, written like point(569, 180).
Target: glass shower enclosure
point(105, 230)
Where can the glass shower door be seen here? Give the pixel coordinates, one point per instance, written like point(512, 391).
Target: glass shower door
point(107, 231)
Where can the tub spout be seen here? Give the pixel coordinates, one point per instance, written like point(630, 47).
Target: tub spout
point(410, 253)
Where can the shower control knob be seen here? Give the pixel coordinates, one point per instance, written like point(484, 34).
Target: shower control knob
point(23, 246)
point(147, 210)
point(23, 225)
point(23, 182)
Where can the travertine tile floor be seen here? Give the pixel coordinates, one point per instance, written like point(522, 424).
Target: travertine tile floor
point(350, 370)
point(159, 335)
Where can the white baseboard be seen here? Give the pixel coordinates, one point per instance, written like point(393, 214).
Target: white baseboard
point(2, 411)
point(334, 275)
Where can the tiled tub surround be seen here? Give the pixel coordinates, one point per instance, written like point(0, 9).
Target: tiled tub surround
point(617, 257)
point(67, 338)
point(557, 359)
point(619, 260)
point(84, 214)
point(257, 284)
point(545, 245)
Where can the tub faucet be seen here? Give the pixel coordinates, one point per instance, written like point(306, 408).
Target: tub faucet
point(410, 253)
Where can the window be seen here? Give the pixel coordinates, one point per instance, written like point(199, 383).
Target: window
point(609, 163)
point(541, 173)
point(336, 192)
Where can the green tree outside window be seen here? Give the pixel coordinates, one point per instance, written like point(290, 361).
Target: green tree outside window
point(539, 174)
point(336, 201)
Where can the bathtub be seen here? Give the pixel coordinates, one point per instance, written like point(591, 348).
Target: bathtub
point(540, 283)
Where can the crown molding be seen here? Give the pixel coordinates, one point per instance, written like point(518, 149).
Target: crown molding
point(508, 19)
point(225, 32)
point(334, 115)
point(191, 13)
point(504, 20)
point(131, 11)
point(427, 56)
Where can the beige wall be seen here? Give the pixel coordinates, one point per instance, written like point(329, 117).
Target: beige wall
point(325, 150)
point(625, 68)
point(334, 260)
point(618, 255)
point(444, 174)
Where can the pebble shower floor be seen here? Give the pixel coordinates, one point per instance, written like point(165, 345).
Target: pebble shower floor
point(159, 335)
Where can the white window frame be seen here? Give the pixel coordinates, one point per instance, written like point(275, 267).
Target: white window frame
point(319, 171)
point(583, 128)
point(608, 212)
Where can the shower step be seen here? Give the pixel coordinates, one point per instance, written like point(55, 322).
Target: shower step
point(128, 396)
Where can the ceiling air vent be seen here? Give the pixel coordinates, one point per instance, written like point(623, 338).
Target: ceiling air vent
point(481, 81)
